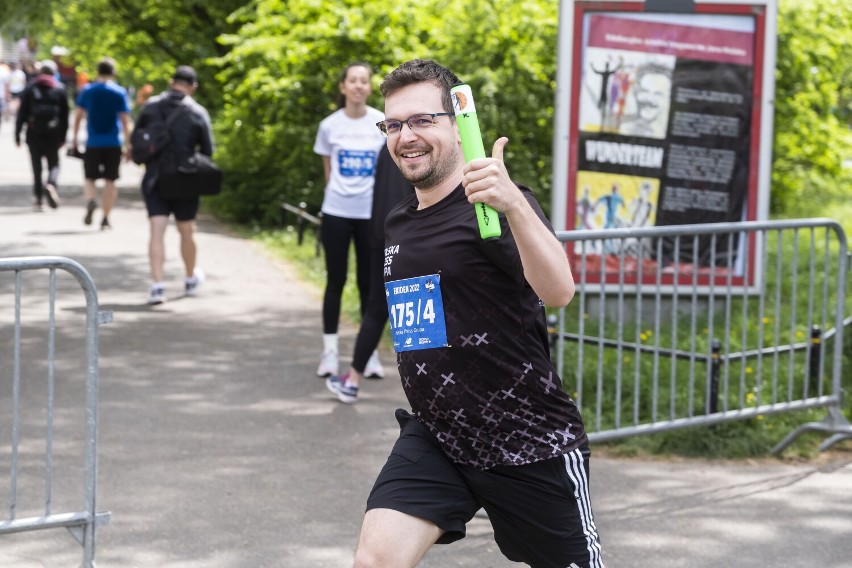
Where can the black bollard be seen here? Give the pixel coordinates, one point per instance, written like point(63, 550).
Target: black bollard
point(715, 364)
point(814, 354)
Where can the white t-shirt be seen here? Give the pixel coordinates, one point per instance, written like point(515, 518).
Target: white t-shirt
point(353, 146)
point(5, 76)
point(17, 82)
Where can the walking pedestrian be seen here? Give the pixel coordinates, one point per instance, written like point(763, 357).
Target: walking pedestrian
point(17, 86)
point(189, 131)
point(44, 112)
point(389, 189)
point(348, 142)
point(491, 425)
point(105, 106)
point(5, 94)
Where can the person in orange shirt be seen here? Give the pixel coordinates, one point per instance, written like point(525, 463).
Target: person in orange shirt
point(144, 93)
point(82, 80)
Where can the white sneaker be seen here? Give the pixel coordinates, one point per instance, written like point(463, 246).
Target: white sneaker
point(374, 369)
point(328, 364)
point(191, 284)
point(157, 295)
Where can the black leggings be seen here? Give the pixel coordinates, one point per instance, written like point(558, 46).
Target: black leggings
point(39, 150)
point(336, 233)
point(375, 314)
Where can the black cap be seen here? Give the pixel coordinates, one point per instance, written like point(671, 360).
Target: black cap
point(186, 74)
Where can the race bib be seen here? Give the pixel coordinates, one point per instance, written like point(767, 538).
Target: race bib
point(416, 313)
point(356, 163)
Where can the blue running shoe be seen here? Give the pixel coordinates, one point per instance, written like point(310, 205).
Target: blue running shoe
point(345, 392)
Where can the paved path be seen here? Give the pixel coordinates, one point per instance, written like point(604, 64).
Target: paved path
point(220, 448)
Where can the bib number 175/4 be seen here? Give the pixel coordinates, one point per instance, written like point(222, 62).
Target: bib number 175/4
point(416, 312)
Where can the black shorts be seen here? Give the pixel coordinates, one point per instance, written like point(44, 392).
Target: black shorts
point(541, 512)
point(183, 209)
point(101, 163)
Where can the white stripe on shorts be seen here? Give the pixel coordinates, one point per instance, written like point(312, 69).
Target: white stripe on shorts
point(575, 470)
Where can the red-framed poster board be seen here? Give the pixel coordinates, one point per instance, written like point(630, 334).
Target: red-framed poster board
point(664, 118)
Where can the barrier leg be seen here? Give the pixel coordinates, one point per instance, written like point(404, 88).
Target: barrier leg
point(835, 423)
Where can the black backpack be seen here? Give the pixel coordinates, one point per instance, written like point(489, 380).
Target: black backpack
point(45, 109)
point(147, 141)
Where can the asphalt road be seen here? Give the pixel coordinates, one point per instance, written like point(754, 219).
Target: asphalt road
point(220, 448)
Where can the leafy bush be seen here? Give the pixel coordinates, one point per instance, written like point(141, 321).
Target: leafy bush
point(281, 74)
point(813, 102)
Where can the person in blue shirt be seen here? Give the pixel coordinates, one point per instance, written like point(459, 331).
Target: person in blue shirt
point(613, 202)
point(105, 106)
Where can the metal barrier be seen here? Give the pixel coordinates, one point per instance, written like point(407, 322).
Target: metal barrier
point(36, 413)
point(303, 219)
point(700, 324)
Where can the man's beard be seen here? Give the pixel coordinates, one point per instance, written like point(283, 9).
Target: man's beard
point(434, 173)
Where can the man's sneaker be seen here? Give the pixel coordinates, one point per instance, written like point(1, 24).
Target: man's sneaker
point(52, 196)
point(374, 369)
point(105, 224)
point(157, 296)
point(38, 207)
point(328, 364)
point(340, 386)
point(90, 211)
point(191, 284)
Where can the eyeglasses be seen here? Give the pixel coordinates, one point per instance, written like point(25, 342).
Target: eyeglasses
point(392, 126)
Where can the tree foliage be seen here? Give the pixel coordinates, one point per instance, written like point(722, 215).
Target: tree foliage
point(269, 71)
point(147, 38)
point(813, 101)
point(282, 72)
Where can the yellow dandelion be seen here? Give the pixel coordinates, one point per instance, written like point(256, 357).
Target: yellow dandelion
point(750, 397)
point(749, 370)
point(760, 416)
point(643, 337)
point(766, 320)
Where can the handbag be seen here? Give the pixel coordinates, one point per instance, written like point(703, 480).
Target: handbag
point(194, 176)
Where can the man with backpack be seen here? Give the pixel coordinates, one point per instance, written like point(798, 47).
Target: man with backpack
point(176, 126)
point(44, 111)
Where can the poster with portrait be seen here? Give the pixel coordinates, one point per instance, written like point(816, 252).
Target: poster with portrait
point(665, 129)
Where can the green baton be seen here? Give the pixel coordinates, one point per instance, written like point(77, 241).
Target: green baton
point(472, 148)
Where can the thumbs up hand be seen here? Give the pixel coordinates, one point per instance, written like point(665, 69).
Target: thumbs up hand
point(486, 180)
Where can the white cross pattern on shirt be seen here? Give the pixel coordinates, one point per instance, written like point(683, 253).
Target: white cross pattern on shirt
point(549, 383)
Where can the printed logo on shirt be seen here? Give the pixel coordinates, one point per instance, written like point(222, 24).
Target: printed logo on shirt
point(389, 252)
point(356, 163)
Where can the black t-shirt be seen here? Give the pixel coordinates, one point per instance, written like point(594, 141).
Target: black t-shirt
point(389, 189)
point(493, 396)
